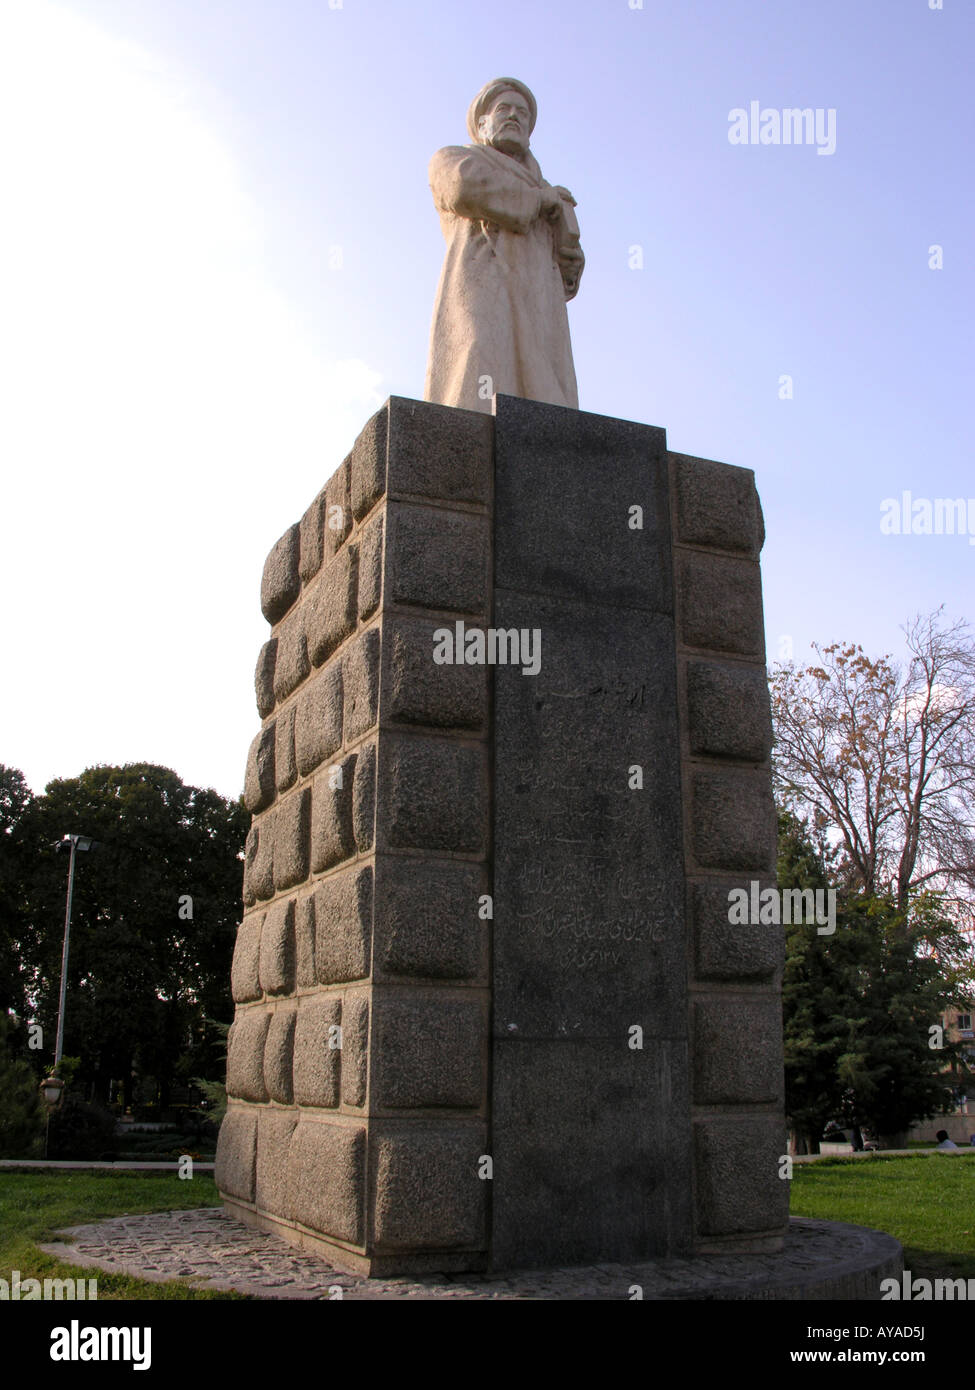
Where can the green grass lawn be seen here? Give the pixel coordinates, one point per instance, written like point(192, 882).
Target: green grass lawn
point(33, 1205)
point(926, 1201)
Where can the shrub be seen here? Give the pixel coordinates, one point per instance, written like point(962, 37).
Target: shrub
point(81, 1130)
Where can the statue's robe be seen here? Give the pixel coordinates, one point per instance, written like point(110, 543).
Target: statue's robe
point(499, 322)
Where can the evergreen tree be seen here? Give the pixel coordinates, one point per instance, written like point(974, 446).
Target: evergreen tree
point(859, 1004)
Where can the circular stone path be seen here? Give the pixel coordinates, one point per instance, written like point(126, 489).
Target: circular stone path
point(207, 1248)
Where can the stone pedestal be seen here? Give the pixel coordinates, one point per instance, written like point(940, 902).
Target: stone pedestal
point(490, 1009)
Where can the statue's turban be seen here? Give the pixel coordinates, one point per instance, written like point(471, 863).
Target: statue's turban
point(489, 93)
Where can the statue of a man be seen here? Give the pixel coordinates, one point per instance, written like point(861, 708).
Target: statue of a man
point(513, 260)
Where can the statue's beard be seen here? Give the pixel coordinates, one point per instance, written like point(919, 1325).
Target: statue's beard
point(510, 145)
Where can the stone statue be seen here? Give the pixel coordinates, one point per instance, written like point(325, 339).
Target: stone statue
point(513, 260)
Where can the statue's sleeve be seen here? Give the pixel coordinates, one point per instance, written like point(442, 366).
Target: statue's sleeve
point(465, 184)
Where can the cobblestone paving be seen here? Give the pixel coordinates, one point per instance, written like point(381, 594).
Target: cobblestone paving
point(207, 1248)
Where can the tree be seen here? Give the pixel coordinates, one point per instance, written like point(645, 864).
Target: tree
point(153, 923)
point(15, 799)
point(859, 1005)
point(21, 1107)
point(881, 758)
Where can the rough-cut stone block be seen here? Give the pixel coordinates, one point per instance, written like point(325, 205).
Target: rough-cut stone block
point(245, 1055)
point(733, 820)
point(259, 859)
point(717, 505)
point(245, 980)
point(291, 666)
point(364, 799)
point(331, 823)
point(728, 711)
point(278, 1055)
point(427, 920)
point(330, 612)
point(428, 1051)
point(435, 796)
point(327, 1173)
point(732, 951)
point(721, 604)
point(439, 451)
point(318, 722)
point(371, 566)
point(259, 777)
point(367, 464)
point(264, 677)
point(417, 690)
point(427, 1192)
point(281, 583)
point(565, 483)
point(360, 683)
point(305, 941)
point(355, 1047)
point(343, 917)
point(272, 1187)
point(285, 770)
point(318, 1051)
point(737, 1183)
point(338, 511)
point(237, 1154)
point(437, 559)
point(310, 537)
point(291, 829)
point(278, 948)
point(737, 1050)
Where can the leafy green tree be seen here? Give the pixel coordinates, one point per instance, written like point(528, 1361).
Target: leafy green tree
point(153, 923)
point(910, 966)
point(859, 1004)
point(812, 997)
point(21, 1108)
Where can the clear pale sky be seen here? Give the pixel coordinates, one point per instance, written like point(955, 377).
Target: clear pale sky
point(183, 365)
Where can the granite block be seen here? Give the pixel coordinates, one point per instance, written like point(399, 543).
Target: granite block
point(259, 783)
point(281, 584)
point(565, 485)
point(721, 604)
point(318, 1051)
point(326, 1168)
point(278, 948)
point(291, 832)
point(428, 1050)
point(717, 505)
point(427, 920)
point(426, 1189)
point(245, 983)
point(245, 1055)
point(436, 795)
point(728, 711)
point(437, 559)
point(331, 824)
point(318, 719)
point(440, 452)
point(237, 1153)
point(343, 916)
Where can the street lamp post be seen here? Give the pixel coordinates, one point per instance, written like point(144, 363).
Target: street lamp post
point(75, 843)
